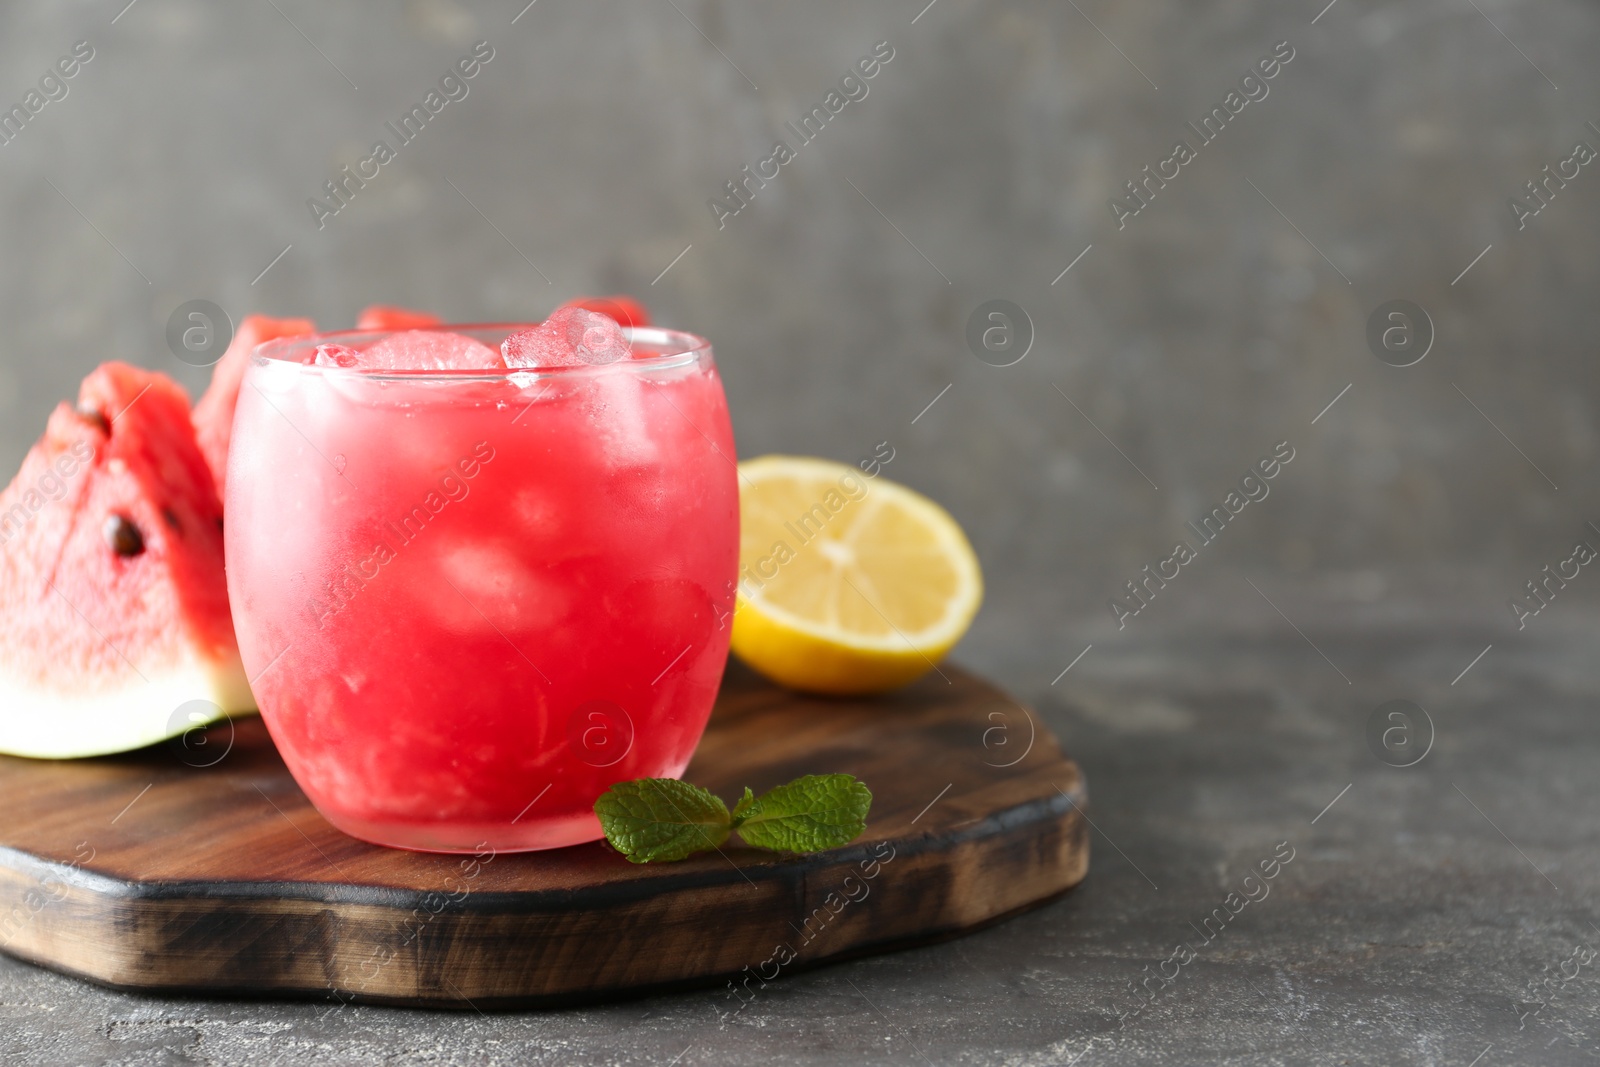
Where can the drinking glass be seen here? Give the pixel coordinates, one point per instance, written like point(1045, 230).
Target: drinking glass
point(471, 601)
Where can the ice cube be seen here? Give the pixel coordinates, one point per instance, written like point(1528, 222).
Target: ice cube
point(337, 356)
point(497, 581)
point(624, 309)
point(430, 350)
point(616, 405)
point(570, 337)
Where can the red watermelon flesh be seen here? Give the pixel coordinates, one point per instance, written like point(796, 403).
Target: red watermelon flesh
point(384, 317)
point(213, 415)
point(114, 611)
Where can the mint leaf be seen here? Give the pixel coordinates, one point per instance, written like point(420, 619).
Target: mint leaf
point(740, 809)
point(652, 819)
point(810, 814)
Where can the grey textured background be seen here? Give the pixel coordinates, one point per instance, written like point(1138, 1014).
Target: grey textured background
point(1207, 330)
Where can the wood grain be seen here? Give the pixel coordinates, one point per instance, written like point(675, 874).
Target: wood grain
point(144, 872)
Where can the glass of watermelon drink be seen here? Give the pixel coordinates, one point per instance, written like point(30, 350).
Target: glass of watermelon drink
point(475, 590)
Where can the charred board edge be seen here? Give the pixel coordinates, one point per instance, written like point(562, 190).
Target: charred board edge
point(307, 940)
point(558, 1000)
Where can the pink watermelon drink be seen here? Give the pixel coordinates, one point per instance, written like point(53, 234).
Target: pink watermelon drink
point(472, 600)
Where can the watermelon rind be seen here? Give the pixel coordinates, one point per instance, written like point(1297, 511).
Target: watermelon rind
point(44, 723)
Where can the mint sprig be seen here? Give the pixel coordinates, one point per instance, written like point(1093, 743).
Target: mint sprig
point(652, 820)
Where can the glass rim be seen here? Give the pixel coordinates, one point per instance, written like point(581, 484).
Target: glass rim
point(681, 349)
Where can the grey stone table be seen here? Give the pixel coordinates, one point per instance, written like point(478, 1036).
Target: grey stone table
point(1431, 914)
point(1426, 909)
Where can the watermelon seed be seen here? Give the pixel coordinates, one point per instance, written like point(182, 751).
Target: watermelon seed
point(124, 537)
point(172, 519)
point(94, 418)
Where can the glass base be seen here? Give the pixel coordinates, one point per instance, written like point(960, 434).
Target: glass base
point(494, 838)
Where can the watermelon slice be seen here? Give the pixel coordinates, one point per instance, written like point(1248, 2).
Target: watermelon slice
point(113, 603)
point(383, 317)
point(213, 415)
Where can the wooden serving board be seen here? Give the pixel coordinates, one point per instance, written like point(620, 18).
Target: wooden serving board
point(145, 872)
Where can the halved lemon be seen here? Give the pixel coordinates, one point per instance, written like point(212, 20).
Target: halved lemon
point(847, 583)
